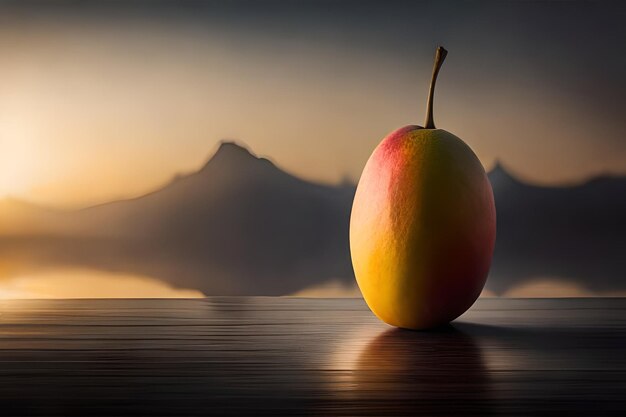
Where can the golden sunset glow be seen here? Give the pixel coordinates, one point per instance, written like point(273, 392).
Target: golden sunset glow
point(332, 289)
point(87, 283)
point(556, 288)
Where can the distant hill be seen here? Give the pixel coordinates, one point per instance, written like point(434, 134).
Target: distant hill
point(576, 233)
point(240, 225)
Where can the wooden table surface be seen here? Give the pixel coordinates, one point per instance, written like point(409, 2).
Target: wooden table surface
point(326, 357)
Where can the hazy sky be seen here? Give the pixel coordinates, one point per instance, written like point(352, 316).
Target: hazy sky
point(100, 100)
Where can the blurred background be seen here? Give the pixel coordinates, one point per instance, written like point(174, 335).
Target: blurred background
point(186, 148)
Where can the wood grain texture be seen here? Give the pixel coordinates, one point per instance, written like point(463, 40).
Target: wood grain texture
point(327, 357)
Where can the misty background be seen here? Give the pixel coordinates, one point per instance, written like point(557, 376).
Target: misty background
point(110, 113)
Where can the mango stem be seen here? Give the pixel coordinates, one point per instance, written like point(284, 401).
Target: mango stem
point(440, 56)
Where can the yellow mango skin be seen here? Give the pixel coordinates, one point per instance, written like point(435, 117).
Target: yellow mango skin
point(422, 228)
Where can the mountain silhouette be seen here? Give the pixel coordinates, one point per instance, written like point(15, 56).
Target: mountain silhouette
point(575, 233)
point(238, 226)
point(242, 226)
